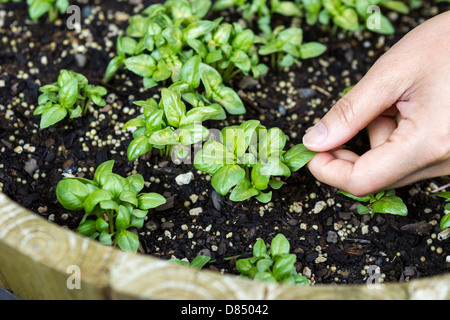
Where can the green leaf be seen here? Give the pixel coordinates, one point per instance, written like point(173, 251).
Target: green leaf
point(298, 156)
point(87, 228)
point(243, 191)
point(190, 72)
point(392, 205)
point(101, 225)
point(362, 199)
point(348, 20)
point(142, 65)
point(312, 50)
point(211, 79)
point(137, 182)
point(52, 115)
point(199, 262)
point(71, 194)
point(212, 157)
point(230, 100)
point(362, 209)
point(102, 170)
point(37, 9)
point(112, 68)
point(129, 196)
point(260, 180)
point(198, 29)
point(114, 184)
point(138, 147)
point(264, 265)
point(174, 108)
point(244, 266)
point(445, 222)
point(123, 218)
point(105, 238)
point(95, 198)
point(150, 200)
point(164, 137)
point(264, 197)
point(380, 24)
point(226, 178)
point(283, 266)
point(244, 40)
point(68, 94)
point(127, 241)
point(109, 205)
point(279, 245)
point(139, 213)
point(192, 133)
point(265, 277)
point(259, 249)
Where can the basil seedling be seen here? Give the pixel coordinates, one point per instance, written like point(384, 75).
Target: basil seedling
point(381, 202)
point(445, 221)
point(286, 47)
point(168, 124)
point(275, 265)
point(37, 8)
point(112, 204)
point(248, 159)
point(352, 15)
point(71, 95)
point(198, 262)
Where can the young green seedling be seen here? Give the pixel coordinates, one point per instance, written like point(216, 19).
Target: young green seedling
point(275, 265)
point(112, 204)
point(71, 95)
point(381, 202)
point(352, 15)
point(286, 47)
point(445, 221)
point(248, 159)
point(169, 124)
point(37, 8)
point(198, 262)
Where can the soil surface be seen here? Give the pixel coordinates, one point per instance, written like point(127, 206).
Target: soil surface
point(333, 243)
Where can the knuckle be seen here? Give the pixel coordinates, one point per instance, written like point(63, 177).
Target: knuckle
point(345, 111)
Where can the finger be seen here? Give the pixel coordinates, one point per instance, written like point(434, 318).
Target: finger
point(373, 171)
point(380, 129)
point(383, 85)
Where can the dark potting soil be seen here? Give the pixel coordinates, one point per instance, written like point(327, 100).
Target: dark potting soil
point(332, 242)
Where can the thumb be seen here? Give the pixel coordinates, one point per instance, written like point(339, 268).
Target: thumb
point(378, 90)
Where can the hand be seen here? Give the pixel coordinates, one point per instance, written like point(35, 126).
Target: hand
point(404, 101)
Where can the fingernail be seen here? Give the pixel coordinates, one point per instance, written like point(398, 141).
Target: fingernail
point(315, 136)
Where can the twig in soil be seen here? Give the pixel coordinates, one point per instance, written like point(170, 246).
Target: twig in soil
point(441, 188)
point(321, 90)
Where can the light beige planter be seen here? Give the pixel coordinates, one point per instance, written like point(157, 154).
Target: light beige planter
point(40, 260)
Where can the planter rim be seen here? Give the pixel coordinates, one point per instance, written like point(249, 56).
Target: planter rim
point(41, 260)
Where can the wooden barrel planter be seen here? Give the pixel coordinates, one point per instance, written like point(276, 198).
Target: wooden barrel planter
point(38, 259)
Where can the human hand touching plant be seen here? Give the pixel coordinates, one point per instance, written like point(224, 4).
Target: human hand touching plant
point(404, 102)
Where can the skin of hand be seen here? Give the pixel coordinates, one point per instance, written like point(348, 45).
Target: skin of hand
point(404, 103)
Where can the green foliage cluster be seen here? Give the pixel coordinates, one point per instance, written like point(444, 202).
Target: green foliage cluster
point(349, 15)
point(277, 265)
point(70, 95)
point(169, 124)
point(38, 8)
point(112, 204)
point(164, 36)
point(381, 202)
point(445, 221)
point(249, 158)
